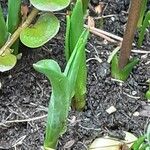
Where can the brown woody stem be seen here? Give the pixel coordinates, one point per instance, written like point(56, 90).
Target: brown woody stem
point(134, 13)
point(16, 34)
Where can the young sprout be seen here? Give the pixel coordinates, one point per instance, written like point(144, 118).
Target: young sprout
point(122, 66)
point(63, 89)
point(147, 95)
point(75, 27)
point(143, 142)
point(146, 24)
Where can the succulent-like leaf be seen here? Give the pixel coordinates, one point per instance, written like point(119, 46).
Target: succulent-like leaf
point(41, 32)
point(50, 5)
point(148, 132)
point(122, 74)
point(3, 29)
point(7, 62)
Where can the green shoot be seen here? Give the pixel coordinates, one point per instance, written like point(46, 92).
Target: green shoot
point(133, 17)
point(146, 23)
point(143, 142)
point(63, 89)
point(122, 74)
point(3, 29)
point(13, 20)
point(142, 13)
point(75, 26)
point(148, 93)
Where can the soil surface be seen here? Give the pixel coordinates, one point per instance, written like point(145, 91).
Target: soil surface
point(24, 93)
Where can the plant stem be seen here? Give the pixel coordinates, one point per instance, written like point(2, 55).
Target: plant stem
point(128, 37)
point(16, 34)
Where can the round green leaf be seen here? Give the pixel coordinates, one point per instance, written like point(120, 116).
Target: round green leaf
point(7, 62)
point(50, 5)
point(41, 32)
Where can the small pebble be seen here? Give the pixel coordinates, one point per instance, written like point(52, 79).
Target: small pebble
point(111, 110)
point(134, 92)
point(136, 114)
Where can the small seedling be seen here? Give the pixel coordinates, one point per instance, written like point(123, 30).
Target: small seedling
point(144, 22)
point(147, 95)
point(45, 27)
point(122, 66)
point(63, 89)
point(75, 27)
point(143, 142)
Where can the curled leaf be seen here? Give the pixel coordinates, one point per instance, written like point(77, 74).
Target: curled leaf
point(50, 5)
point(41, 32)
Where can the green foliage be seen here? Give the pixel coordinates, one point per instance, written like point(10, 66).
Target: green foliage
point(3, 29)
point(122, 74)
point(63, 86)
point(13, 20)
point(75, 26)
point(50, 5)
point(41, 32)
point(148, 94)
point(142, 13)
point(146, 24)
point(143, 142)
point(85, 5)
point(44, 29)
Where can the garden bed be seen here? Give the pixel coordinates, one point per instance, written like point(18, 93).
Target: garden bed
point(24, 93)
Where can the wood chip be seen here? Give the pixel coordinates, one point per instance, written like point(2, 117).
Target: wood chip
point(111, 110)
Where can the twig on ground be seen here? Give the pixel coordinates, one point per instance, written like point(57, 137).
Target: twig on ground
point(23, 120)
point(110, 35)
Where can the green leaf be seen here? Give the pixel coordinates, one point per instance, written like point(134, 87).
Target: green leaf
point(143, 9)
point(76, 25)
point(148, 131)
point(146, 23)
point(59, 103)
point(148, 94)
point(50, 5)
point(41, 32)
point(85, 5)
point(122, 74)
point(7, 62)
point(3, 29)
point(136, 145)
point(67, 40)
point(14, 15)
point(73, 67)
point(63, 85)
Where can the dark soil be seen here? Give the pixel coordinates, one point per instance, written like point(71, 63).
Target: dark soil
point(25, 93)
